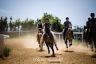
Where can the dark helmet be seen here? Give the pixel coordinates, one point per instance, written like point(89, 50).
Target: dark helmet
point(67, 18)
point(92, 15)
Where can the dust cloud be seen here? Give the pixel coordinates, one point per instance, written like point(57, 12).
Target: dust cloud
point(30, 41)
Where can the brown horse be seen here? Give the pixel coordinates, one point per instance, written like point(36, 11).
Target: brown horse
point(39, 35)
point(68, 37)
point(49, 40)
point(90, 37)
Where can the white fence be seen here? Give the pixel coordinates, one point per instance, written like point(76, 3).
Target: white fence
point(60, 34)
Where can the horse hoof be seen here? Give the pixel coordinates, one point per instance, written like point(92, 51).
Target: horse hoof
point(41, 50)
point(53, 56)
point(57, 49)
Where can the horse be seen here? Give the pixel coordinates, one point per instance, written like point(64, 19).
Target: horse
point(68, 38)
point(90, 38)
point(49, 40)
point(39, 35)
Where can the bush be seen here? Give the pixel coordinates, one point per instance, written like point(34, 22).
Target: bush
point(6, 51)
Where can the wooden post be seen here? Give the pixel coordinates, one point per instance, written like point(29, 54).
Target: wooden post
point(1, 44)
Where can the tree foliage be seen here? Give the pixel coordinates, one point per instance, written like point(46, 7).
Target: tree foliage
point(29, 24)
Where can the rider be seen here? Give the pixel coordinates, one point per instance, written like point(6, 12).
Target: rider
point(47, 27)
point(40, 32)
point(87, 31)
point(92, 28)
point(40, 27)
point(67, 25)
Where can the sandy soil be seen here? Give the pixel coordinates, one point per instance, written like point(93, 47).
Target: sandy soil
point(24, 50)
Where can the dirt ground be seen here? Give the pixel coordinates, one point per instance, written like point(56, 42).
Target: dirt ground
point(24, 50)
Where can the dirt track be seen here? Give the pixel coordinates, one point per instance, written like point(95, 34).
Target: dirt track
point(25, 51)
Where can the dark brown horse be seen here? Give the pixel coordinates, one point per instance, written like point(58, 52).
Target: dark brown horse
point(49, 40)
point(68, 37)
point(90, 37)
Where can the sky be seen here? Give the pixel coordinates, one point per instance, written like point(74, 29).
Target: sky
point(77, 10)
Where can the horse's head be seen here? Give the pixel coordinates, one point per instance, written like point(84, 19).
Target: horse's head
point(69, 29)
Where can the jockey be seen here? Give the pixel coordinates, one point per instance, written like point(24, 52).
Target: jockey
point(46, 25)
point(87, 30)
point(67, 24)
point(92, 27)
point(40, 27)
point(48, 33)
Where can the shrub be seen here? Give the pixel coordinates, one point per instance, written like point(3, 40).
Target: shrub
point(6, 51)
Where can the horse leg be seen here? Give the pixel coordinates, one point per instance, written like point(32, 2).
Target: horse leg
point(70, 42)
point(52, 48)
point(66, 43)
point(56, 47)
point(41, 46)
point(95, 44)
point(92, 46)
point(48, 48)
point(95, 47)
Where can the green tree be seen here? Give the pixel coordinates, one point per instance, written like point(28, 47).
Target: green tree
point(10, 24)
point(55, 22)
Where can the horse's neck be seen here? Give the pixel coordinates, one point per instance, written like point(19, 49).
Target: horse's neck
point(68, 31)
point(39, 33)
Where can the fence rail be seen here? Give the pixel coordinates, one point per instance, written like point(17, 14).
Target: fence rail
point(60, 33)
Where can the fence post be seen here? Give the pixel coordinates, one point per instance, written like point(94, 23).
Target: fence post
point(1, 44)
